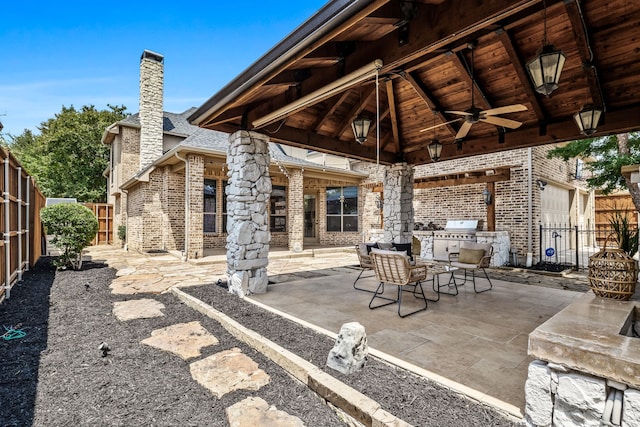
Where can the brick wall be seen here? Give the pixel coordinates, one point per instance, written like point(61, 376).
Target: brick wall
point(295, 211)
point(196, 206)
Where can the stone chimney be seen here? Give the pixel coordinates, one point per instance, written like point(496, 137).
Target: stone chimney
point(151, 94)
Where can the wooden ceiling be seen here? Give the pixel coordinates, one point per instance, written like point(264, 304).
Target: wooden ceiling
point(427, 71)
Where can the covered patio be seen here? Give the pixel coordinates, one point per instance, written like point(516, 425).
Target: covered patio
point(473, 343)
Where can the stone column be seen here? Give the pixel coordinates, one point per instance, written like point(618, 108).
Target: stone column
point(296, 211)
point(248, 193)
point(196, 206)
point(398, 204)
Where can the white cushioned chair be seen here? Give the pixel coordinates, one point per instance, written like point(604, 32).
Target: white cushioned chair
point(472, 256)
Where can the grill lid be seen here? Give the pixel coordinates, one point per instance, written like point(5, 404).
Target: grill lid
point(466, 225)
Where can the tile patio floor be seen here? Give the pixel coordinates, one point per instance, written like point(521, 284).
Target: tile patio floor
point(478, 340)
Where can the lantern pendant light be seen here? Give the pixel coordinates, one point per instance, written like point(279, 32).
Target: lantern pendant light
point(435, 147)
point(545, 68)
point(360, 126)
point(587, 119)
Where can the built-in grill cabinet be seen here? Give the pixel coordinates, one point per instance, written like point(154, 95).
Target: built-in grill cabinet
point(448, 240)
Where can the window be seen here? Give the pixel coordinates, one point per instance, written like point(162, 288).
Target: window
point(278, 218)
point(342, 209)
point(209, 220)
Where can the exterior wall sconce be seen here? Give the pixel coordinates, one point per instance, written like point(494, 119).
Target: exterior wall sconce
point(486, 194)
point(545, 68)
point(435, 149)
point(541, 184)
point(360, 126)
point(587, 119)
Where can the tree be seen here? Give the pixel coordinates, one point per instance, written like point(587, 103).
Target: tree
point(604, 157)
point(72, 226)
point(67, 158)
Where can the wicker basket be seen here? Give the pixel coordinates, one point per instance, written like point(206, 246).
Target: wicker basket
point(613, 274)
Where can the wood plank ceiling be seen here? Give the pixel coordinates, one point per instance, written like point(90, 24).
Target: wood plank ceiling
point(427, 71)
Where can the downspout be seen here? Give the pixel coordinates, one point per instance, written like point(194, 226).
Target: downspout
point(28, 238)
point(185, 253)
point(126, 221)
point(529, 207)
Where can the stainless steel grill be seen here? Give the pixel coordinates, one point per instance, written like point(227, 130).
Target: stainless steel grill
point(448, 240)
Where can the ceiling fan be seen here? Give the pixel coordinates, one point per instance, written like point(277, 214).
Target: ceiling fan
point(474, 114)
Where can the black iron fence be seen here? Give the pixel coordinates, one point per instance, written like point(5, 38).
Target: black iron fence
point(571, 246)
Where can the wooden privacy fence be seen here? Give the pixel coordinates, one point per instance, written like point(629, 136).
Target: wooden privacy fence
point(104, 214)
point(20, 206)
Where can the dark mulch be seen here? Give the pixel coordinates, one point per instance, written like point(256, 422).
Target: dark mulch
point(56, 376)
point(415, 399)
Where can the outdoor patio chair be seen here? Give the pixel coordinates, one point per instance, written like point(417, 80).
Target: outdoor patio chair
point(365, 263)
point(472, 256)
point(394, 268)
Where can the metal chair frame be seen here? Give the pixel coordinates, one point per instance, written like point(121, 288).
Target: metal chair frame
point(394, 269)
point(484, 262)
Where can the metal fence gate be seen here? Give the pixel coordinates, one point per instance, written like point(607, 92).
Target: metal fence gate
point(571, 246)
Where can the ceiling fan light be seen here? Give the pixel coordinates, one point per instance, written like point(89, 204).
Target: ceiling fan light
point(545, 69)
point(361, 125)
point(435, 149)
point(587, 119)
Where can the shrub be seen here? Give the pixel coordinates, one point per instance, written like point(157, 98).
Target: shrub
point(122, 232)
point(72, 226)
point(625, 233)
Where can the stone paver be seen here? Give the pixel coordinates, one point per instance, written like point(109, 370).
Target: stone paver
point(254, 411)
point(183, 339)
point(144, 308)
point(228, 371)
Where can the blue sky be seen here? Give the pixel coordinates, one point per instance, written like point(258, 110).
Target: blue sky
point(88, 53)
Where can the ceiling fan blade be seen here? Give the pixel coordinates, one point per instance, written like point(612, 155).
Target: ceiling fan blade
point(500, 121)
point(464, 130)
point(506, 109)
point(460, 113)
point(441, 124)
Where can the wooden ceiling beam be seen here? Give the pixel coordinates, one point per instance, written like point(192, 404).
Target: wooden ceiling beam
point(586, 53)
point(433, 105)
point(324, 144)
point(502, 174)
point(619, 121)
point(523, 76)
point(232, 115)
point(322, 118)
point(393, 114)
point(465, 73)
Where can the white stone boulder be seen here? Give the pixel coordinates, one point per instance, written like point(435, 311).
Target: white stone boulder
point(350, 351)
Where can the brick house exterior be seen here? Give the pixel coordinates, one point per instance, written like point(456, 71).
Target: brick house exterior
point(167, 182)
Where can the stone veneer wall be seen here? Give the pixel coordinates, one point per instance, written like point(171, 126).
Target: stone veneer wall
point(130, 157)
point(398, 204)
point(151, 94)
point(560, 396)
point(247, 203)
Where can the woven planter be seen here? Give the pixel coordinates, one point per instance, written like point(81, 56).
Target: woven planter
point(613, 274)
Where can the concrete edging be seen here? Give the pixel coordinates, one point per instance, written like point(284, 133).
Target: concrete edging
point(360, 407)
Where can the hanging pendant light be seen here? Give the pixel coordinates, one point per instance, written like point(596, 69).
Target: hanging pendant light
point(360, 126)
point(587, 119)
point(435, 149)
point(545, 68)
point(435, 146)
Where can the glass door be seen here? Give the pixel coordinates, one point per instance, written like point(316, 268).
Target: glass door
point(310, 220)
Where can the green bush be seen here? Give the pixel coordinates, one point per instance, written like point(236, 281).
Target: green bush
point(122, 232)
point(72, 226)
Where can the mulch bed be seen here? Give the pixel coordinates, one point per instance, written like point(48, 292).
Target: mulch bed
point(56, 375)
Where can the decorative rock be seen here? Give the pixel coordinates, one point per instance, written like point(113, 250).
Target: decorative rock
point(616, 413)
point(349, 353)
point(631, 408)
point(228, 371)
point(137, 309)
point(537, 389)
point(254, 411)
point(239, 283)
point(617, 385)
point(183, 339)
point(580, 400)
point(608, 407)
